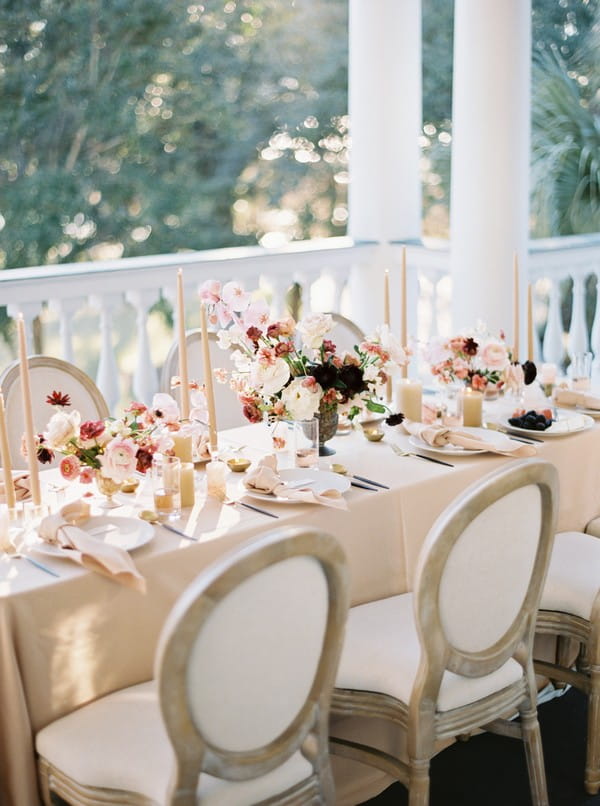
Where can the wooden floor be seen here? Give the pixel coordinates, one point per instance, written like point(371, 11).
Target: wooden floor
point(461, 775)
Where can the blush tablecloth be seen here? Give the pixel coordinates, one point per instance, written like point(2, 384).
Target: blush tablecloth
point(66, 641)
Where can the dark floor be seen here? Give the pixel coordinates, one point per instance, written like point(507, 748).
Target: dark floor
point(490, 770)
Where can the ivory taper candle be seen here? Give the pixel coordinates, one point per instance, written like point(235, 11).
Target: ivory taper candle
point(386, 321)
point(529, 324)
point(403, 324)
point(9, 494)
point(208, 381)
point(183, 358)
point(515, 355)
point(32, 461)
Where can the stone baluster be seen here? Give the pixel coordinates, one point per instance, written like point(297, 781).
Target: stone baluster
point(29, 310)
point(553, 348)
point(281, 283)
point(66, 309)
point(145, 376)
point(578, 336)
point(107, 376)
point(595, 336)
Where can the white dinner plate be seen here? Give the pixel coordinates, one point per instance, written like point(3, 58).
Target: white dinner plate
point(493, 437)
point(590, 412)
point(568, 423)
point(127, 533)
point(319, 481)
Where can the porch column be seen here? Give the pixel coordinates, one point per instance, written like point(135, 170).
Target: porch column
point(490, 161)
point(384, 201)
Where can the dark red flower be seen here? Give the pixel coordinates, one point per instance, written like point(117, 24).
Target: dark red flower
point(470, 347)
point(252, 413)
point(44, 454)
point(144, 458)
point(58, 399)
point(254, 334)
point(91, 429)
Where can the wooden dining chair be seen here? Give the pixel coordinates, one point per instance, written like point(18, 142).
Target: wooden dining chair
point(47, 374)
point(229, 408)
point(570, 610)
point(456, 654)
point(238, 712)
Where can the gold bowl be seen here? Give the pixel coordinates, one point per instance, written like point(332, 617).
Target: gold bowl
point(239, 464)
point(373, 434)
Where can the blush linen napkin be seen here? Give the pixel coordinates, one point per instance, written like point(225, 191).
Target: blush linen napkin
point(265, 479)
point(21, 485)
point(569, 397)
point(439, 435)
point(62, 530)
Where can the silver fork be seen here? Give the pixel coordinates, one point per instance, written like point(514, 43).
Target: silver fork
point(17, 555)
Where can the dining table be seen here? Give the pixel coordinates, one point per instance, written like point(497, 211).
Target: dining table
point(70, 638)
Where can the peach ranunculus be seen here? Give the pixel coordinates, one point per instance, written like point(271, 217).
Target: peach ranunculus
point(460, 368)
point(119, 459)
point(70, 467)
point(479, 383)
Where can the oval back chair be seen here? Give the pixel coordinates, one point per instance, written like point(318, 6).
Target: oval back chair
point(456, 654)
point(47, 374)
point(244, 672)
point(228, 407)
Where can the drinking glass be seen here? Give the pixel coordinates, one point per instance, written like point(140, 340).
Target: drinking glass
point(581, 371)
point(166, 485)
point(307, 443)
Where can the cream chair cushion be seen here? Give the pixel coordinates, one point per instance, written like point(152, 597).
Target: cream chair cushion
point(388, 663)
point(128, 725)
point(573, 576)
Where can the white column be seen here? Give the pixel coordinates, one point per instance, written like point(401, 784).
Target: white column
point(385, 123)
point(490, 160)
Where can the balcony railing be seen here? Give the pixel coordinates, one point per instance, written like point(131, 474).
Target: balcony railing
point(113, 319)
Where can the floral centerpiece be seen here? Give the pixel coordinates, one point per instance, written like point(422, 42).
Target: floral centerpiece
point(476, 359)
point(293, 370)
point(112, 449)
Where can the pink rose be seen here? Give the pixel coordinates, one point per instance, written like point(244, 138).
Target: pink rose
point(119, 459)
point(494, 355)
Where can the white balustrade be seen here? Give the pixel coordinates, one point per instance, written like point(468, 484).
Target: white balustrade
point(140, 281)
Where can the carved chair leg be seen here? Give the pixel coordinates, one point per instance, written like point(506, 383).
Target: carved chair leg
point(44, 779)
point(592, 763)
point(418, 783)
point(535, 758)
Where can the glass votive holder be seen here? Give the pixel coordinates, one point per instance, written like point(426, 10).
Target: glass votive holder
point(307, 443)
point(216, 479)
point(581, 371)
point(451, 401)
point(166, 485)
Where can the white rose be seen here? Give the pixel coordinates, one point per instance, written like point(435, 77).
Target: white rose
point(269, 378)
point(301, 402)
point(313, 329)
point(61, 428)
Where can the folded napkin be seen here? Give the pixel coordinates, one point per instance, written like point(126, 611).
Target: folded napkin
point(569, 397)
point(62, 530)
point(439, 435)
point(21, 485)
point(265, 479)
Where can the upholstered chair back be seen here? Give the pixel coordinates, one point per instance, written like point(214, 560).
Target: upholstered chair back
point(248, 657)
point(482, 568)
point(229, 409)
point(46, 374)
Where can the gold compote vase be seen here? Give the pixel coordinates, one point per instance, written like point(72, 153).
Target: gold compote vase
point(108, 488)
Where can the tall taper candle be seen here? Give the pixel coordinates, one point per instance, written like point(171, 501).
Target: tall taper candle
point(208, 381)
point(515, 355)
point(5, 457)
point(403, 324)
point(32, 461)
point(386, 321)
point(183, 358)
point(529, 324)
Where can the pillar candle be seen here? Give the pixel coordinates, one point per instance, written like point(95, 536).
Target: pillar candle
point(548, 373)
point(5, 457)
point(529, 324)
point(515, 355)
point(32, 461)
point(208, 381)
point(182, 446)
point(472, 406)
point(183, 358)
point(409, 397)
point(188, 497)
point(403, 324)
